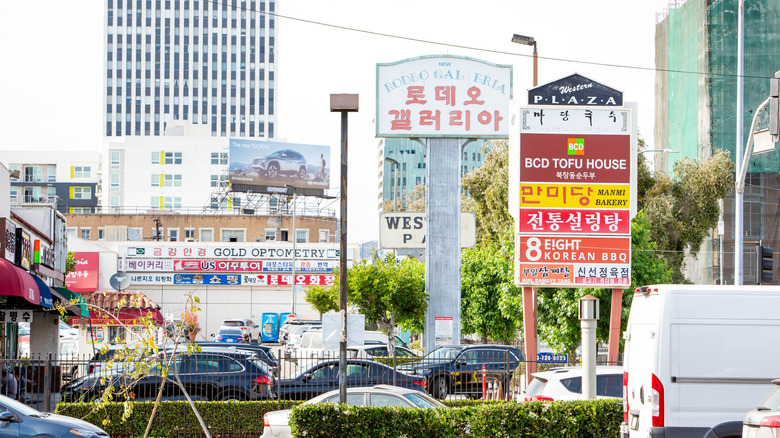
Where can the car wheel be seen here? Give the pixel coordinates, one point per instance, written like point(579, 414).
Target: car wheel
point(441, 388)
point(273, 170)
point(302, 172)
point(229, 397)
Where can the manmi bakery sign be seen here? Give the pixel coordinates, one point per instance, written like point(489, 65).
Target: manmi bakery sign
point(576, 199)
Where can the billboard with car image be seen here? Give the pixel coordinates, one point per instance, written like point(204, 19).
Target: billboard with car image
point(270, 166)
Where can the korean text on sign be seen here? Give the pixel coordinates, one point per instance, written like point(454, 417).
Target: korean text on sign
point(574, 195)
point(574, 221)
point(402, 119)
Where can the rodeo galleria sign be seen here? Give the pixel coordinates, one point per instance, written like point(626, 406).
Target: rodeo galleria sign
point(302, 252)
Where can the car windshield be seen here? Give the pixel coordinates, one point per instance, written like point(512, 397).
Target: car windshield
point(772, 401)
point(18, 407)
point(443, 353)
point(536, 386)
point(230, 332)
point(423, 401)
point(233, 324)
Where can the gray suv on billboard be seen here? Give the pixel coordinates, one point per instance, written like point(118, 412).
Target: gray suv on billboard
point(285, 161)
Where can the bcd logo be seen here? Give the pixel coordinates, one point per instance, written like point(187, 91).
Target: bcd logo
point(576, 146)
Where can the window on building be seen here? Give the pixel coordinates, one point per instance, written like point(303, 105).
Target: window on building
point(101, 233)
point(172, 181)
point(71, 231)
point(189, 234)
point(114, 201)
point(284, 236)
point(232, 235)
point(80, 192)
point(14, 195)
point(114, 181)
point(173, 234)
point(219, 158)
point(155, 158)
point(206, 234)
point(85, 233)
point(155, 180)
point(115, 159)
point(173, 158)
point(270, 234)
point(33, 174)
point(324, 236)
point(135, 234)
point(301, 236)
point(82, 172)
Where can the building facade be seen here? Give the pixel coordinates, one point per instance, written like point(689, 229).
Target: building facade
point(696, 85)
point(69, 181)
point(207, 63)
point(402, 167)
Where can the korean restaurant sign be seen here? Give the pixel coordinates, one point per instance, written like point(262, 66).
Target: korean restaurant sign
point(443, 96)
point(575, 90)
point(574, 223)
point(197, 266)
point(84, 278)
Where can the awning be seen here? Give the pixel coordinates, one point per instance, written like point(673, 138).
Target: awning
point(18, 283)
point(44, 291)
point(73, 302)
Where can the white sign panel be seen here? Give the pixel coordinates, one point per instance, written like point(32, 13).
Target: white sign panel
point(229, 252)
point(407, 230)
point(443, 96)
point(356, 324)
point(574, 120)
point(14, 315)
point(443, 329)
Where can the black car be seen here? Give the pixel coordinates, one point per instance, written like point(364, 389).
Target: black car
point(324, 377)
point(264, 352)
point(211, 374)
point(457, 369)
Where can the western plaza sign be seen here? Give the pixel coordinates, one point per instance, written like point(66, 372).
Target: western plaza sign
point(408, 229)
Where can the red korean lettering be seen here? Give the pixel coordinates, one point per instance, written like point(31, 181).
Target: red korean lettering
point(428, 118)
point(474, 93)
point(416, 94)
point(402, 120)
point(445, 93)
point(527, 191)
point(456, 119)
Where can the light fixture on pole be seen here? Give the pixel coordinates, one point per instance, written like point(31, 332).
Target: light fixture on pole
point(394, 174)
point(343, 103)
point(529, 41)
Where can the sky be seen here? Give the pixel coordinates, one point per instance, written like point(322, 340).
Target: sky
point(52, 84)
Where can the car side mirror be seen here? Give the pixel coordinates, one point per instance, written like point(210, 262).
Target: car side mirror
point(212, 335)
point(460, 362)
point(7, 416)
point(306, 377)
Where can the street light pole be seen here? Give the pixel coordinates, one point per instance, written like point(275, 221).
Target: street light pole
point(343, 103)
point(529, 41)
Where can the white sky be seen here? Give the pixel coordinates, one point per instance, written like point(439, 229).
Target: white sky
point(51, 85)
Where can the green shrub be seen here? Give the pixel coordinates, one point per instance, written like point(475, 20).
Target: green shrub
point(175, 418)
point(577, 419)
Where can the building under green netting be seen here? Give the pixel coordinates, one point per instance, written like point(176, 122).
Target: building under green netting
point(696, 88)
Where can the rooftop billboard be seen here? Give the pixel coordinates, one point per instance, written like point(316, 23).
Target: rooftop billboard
point(263, 166)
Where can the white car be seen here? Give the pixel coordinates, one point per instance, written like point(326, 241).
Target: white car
point(276, 423)
point(764, 421)
point(246, 326)
point(372, 351)
point(566, 384)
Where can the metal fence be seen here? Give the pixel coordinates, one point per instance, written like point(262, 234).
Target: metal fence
point(40, 380)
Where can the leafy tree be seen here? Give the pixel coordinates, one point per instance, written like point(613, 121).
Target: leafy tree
point(682, 210)
point(489, 299)
point(389, 292)
point(488, 187)
point(323, 299)
point(557, 319)
point(70, 263)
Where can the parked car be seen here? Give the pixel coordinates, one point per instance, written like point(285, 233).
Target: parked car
point(276, 424)
point(565, 383)
point(296, 325)
point(764, 420)
point(372, 351)
point(311, 345)
point(229, 335)
point(457, 369)
point(285, 161)
point(213, 374)
point(20, 420)
point(264, 352)
point(323, 377)
point(294, 333)
point(246, 326)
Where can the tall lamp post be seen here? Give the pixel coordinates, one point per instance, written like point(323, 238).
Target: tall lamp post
point(394, 170)
point(343, 103)
point(529, 41)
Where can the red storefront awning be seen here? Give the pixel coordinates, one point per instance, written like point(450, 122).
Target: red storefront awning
point(17, 283)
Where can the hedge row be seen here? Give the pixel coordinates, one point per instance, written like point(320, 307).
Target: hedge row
point(598, 419)
point(472, 418)
point(176, 419)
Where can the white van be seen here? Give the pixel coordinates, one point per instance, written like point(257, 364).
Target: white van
point(697, 358)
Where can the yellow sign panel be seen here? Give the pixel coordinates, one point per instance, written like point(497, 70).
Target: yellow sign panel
point(613, 196)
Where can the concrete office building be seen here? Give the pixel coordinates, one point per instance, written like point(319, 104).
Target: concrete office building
point(207, 63)
point(696, 61)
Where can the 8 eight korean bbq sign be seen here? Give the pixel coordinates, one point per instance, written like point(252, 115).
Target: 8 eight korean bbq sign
point(443, 96)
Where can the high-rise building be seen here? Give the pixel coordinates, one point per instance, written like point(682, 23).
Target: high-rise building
point(696, 101)
point(208, 63)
